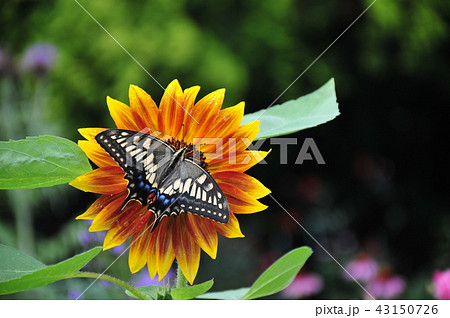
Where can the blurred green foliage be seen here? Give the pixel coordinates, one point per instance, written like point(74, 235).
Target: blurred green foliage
point(391, 73)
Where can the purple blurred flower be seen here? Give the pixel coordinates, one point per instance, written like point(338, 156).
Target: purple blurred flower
point(441, 281)
point(106, 284)
point(362, 268)
point(88, 239)
point(39, 58)
point(143, 279)
point(118, 250)
point(386, 287)
point(304, 285)
point(73, 294)
point(84, 238)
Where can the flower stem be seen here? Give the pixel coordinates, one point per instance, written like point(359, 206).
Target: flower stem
point(113, 280)
point(181, 280)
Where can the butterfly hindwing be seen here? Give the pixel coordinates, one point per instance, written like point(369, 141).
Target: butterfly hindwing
point(191, 189)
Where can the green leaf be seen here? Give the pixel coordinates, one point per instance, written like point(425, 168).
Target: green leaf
point(193, 291)
point(40, 162)
point(307, 111)
point(14, 263)
point(280, 274)
point(152, 292)
point(274, 279)
point(231, 294)
point(20, 272)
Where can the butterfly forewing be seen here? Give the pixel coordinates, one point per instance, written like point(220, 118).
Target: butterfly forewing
point(144, 159)
point(174, 183)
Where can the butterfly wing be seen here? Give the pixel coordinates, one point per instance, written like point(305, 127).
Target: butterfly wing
point(153, 168)
point(191, 189)
point(144, 158)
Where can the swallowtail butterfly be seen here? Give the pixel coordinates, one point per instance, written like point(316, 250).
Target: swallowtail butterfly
point(161, 176)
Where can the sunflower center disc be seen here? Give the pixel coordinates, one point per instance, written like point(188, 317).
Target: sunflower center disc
point(191, 152)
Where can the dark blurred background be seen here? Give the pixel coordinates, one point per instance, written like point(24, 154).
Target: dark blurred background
point(383, 192)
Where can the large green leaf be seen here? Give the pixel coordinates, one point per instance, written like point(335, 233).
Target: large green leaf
point(20, 272)
point(40, 162)
point(280, 274)
point(231, 294)
point(274, 279)
point(193, 291)
point(307, 111)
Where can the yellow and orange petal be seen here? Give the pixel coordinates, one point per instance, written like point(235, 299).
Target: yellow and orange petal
point(143, 109)
point(179, 237)
point(104, 180)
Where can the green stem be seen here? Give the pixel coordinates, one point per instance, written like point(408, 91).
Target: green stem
point(113, 280)
point(21, 205)
point(181, 280)
point(12, 126)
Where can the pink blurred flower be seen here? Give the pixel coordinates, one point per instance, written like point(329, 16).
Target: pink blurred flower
point(441, 282)
point(386, 287)
point(363, 268)
point(304, 285)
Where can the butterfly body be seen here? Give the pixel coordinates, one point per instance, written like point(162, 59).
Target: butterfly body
point(162, 177)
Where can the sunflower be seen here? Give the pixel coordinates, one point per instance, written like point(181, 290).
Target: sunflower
point(178, 120)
